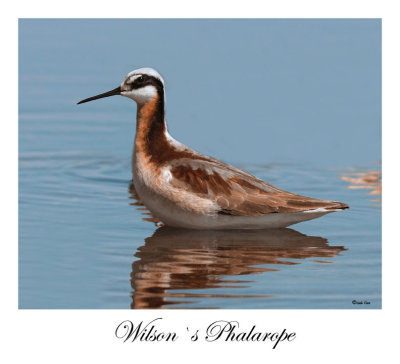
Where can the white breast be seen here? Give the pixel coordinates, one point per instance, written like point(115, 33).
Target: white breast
point(171, 205)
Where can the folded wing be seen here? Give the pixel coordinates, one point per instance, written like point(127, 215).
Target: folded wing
point(238, 193)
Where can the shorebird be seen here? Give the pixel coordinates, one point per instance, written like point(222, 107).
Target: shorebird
point(183, 188)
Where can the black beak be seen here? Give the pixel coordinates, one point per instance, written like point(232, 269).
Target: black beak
point(116, 91)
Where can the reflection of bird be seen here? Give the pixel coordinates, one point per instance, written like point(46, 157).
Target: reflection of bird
point(184, 188)
point(180, 259)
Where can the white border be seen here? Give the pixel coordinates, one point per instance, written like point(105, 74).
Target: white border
point(88, 336)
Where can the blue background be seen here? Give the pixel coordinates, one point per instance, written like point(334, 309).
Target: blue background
point(259, 90)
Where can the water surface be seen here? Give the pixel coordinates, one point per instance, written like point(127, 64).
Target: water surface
point(85, 242)
point(295, 102)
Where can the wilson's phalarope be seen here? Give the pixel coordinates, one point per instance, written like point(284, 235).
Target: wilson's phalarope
point(184, 188)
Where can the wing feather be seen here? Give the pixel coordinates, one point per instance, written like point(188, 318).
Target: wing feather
point(238, 193)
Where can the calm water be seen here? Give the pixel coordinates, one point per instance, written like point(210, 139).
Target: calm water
point(84, 242)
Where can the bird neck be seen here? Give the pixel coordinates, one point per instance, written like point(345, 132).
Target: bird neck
point(151, 129)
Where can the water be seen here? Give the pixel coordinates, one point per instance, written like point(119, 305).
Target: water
point(83, 242)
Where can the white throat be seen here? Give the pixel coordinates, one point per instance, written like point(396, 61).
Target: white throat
point(142, 95)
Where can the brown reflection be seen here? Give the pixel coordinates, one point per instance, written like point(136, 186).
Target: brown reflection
point(371, 181)
point(186, 260)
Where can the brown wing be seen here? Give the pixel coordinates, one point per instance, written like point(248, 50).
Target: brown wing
point(239, 193)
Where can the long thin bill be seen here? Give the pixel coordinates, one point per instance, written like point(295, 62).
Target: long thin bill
point(116, 91)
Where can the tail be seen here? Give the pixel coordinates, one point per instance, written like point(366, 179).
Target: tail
point(336, 206)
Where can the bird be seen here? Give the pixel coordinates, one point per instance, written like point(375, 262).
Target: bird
point(186, 189)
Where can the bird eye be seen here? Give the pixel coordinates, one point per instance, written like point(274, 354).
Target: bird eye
point(140, 79)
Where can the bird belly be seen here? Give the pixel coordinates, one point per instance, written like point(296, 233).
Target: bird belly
point(172, 214)
point(217, 222)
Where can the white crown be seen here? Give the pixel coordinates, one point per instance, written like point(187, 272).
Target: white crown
point(146, 71)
